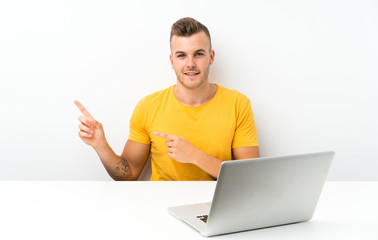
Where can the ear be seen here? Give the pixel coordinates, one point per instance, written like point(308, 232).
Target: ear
point(171, 59)
point(212, 55)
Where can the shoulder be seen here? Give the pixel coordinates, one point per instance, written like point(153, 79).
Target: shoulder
point(232, 95)
point(156, 97)
point(150, 104)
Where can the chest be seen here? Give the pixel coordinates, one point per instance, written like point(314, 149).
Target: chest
point(211, 129)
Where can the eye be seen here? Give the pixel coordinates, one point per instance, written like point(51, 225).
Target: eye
point(199, 54)
point(181, 55)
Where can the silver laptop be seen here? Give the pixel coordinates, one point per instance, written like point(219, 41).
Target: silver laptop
point(259, 193)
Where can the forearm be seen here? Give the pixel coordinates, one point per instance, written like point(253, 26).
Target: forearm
point(116, 166)
point(208, 163)
point(212, 165)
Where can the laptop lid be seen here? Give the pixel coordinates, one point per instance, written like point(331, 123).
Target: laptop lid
point(268, 191)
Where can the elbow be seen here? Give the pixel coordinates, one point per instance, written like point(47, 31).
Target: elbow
point(123, 177)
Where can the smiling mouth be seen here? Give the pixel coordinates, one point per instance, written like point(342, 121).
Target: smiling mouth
point(191, 73)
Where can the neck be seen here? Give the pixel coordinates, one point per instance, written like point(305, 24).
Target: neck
point(195, 97)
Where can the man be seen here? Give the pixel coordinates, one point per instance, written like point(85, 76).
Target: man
point(188, 128)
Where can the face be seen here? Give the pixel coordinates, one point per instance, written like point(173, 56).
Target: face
point(191, 58)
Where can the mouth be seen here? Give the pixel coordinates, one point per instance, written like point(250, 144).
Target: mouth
point(191, 74)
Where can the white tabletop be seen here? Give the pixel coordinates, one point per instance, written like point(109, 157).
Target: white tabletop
point(138, 210)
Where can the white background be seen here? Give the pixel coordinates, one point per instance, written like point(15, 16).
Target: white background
point(309, 68)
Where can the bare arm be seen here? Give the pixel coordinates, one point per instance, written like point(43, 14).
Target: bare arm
point(212, 165)
point(135, 155)
point(127, 166)
point(246, 152)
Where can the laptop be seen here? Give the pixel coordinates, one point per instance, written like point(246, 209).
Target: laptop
point(259, 193)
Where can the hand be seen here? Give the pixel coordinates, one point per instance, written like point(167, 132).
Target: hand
point(179, 148)
point(91, 131)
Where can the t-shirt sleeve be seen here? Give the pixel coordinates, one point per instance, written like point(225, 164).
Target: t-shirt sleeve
point(138, 129)
point(245, 132)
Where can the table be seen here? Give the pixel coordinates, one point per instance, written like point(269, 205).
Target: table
point(138, 210)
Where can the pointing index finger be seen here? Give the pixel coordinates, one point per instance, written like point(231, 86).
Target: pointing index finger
point(165, 135)
point(83, 110)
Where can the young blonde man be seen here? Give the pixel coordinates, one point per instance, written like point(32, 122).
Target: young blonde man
point(188, 128)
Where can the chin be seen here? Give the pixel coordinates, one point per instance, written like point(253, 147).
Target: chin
point(190, 84)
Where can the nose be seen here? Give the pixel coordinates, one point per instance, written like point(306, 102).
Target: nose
point(190, 62)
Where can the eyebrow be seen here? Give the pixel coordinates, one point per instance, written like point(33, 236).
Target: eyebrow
point(181, 52)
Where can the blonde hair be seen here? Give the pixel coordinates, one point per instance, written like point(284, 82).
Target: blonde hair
point(186, 27)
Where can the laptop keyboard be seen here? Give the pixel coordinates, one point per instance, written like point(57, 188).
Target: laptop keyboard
point(203, 218)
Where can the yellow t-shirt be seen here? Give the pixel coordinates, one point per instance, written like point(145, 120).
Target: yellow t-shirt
point(223, 123)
